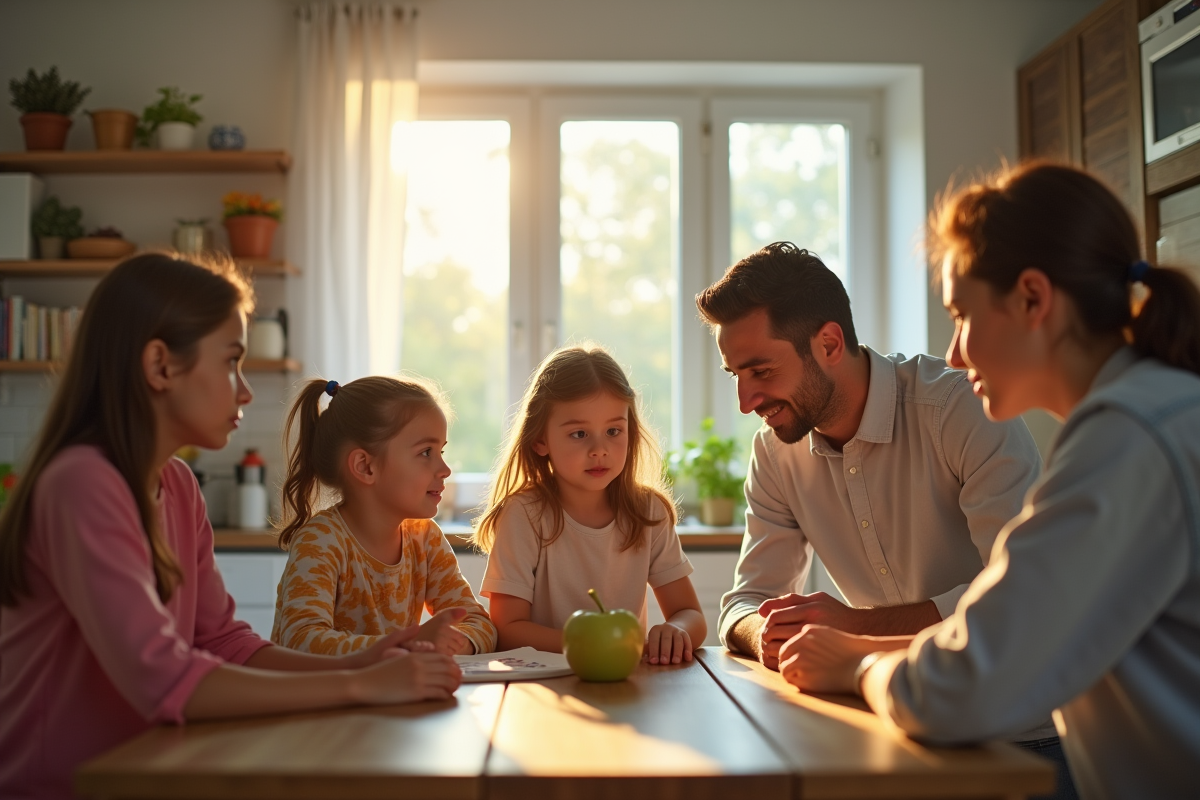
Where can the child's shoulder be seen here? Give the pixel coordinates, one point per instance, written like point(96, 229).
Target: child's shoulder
point(524, 508)
point(423, 531)
point(325, 530)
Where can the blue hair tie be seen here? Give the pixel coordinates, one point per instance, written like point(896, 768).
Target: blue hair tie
point(1137, 271)
point(331, 388)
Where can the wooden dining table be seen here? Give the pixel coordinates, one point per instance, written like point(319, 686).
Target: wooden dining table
point(719, 727)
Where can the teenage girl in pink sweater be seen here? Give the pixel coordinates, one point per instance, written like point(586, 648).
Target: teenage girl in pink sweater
point(113, 616)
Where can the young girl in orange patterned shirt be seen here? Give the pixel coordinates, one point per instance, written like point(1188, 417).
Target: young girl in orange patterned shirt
point(373, 562)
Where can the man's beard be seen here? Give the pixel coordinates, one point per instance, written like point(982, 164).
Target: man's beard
point(814, 403)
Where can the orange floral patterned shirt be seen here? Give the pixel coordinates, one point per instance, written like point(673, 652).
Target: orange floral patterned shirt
point(335, 597)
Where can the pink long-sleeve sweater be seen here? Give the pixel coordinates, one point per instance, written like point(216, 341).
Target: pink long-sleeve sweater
point(92, 657)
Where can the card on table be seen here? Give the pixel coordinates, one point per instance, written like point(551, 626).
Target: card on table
point(522, 664)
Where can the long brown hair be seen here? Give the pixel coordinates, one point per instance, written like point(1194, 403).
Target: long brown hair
point(567, 375)
point(103, 399)
point(1067, 224)
point(364, 413)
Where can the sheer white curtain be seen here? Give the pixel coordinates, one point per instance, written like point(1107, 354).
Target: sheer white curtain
point(356, 88)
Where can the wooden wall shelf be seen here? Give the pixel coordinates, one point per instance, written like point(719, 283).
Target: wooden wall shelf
point(145, 161)
point(283, 365)
point(94, 268)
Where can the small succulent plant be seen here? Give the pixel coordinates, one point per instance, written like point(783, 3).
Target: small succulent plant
point(46, 93)
point(53, 219)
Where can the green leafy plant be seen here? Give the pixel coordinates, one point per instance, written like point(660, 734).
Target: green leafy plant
point(172, 106)
point(53, 219)
point(710, 463)
point(46, 93)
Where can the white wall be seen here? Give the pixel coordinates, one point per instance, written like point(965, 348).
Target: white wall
point(239, 54)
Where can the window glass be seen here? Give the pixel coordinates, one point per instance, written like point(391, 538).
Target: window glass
point(787, 182)
point(619, 227)
point(456, 276)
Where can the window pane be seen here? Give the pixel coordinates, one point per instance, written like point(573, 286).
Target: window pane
point(787, 182)
point(620, 239)
point(456, 277)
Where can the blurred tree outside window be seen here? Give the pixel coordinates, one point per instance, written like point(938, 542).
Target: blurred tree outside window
point(619, 227)
point(456, 277)
point(787, 183)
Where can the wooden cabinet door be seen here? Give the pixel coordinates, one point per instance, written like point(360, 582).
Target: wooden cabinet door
point(1111, 100)
point(1048, 93)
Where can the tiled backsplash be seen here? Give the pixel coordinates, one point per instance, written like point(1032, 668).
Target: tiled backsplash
point(24, 399)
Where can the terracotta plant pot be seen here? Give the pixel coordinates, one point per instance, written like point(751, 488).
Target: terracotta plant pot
point(717, 511)
point(45, 131)
point(113, 128)
point(250, 235)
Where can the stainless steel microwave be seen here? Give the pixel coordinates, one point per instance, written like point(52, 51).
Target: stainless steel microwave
point(1171, 77)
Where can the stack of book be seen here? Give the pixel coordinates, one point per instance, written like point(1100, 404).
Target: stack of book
point(30, 332)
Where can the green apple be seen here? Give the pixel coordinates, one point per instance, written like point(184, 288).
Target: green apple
point(604, 646)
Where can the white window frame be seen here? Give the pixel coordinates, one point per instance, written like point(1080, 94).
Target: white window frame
point(687, 112)
point(516, 110)
point(535, 112)
point(863, 259)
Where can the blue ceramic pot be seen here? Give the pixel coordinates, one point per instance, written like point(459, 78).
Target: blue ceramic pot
point(226, 137)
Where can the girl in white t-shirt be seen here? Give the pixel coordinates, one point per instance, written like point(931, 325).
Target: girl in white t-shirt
point(578, 503)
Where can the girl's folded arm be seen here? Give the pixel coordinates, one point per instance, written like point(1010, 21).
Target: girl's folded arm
point(511, 615)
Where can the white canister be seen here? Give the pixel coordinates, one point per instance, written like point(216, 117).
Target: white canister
point(176, 135)
point(267, 339)
point(252, 505)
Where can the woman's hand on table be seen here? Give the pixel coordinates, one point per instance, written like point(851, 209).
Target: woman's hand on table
point(667, 644)
point(407, 678)
point(397, 643)
point(824, 659)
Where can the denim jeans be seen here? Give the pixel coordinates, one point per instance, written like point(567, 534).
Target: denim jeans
point(1051, 749)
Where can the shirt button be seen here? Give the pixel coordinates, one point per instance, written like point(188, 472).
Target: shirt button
point(865, 523)
point(854, 470)
point(883, 570)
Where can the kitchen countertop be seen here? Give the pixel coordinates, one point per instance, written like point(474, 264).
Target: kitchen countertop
point(693, 537)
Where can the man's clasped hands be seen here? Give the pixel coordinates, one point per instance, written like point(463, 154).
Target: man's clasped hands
point(810, 640)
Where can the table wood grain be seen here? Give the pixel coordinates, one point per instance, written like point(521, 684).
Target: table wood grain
point(434, 750)
point(839, 749)
point(664, 733)
point(720, 727)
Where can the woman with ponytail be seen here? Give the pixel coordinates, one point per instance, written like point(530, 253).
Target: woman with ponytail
point(1090, 604)
point(371, 559)
point(113, 616)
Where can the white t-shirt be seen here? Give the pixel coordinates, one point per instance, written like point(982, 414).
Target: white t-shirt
point(556, 578)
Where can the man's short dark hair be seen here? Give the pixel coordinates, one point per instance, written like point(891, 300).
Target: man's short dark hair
point(799, 293)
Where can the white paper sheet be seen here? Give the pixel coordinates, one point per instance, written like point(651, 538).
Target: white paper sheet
point(522, 664)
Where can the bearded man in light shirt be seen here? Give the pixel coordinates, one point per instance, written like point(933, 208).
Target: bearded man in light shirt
point(901, 487)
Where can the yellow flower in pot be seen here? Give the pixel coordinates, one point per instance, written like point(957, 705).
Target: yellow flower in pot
point(250, 222)
point(712, 465)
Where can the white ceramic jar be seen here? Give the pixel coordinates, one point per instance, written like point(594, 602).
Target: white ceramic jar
point(176, 135)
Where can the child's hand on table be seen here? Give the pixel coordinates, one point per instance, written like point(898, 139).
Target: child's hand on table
point(667, 644)
point(441, 633)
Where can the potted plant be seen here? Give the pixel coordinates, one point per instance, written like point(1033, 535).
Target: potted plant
point(710, 464)
point(46, 103)
point(52, 225)
point(250, 222)
point(172, 118)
